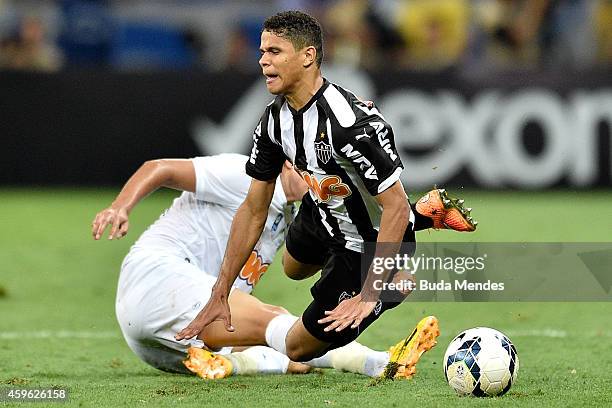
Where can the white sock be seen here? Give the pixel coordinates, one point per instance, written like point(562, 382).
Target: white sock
point(276, 332)
point(258, 360)
point(375, 363)
point(325, 361)
point(354, 358)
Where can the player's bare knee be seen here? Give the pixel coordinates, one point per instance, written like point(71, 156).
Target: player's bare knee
point(297, 270)
point(295, 273)
point(298, 353)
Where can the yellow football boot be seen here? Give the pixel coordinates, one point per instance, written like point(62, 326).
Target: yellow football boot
point(207, 365)
point(404, 356)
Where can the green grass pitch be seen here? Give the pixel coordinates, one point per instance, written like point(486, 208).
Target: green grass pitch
point(57, 323)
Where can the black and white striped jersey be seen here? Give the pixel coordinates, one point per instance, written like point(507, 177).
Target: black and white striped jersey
point(344, 150)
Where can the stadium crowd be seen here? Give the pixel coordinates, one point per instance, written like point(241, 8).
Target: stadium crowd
point(391, 34)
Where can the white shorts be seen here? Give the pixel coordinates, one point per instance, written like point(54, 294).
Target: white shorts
point(158, 295)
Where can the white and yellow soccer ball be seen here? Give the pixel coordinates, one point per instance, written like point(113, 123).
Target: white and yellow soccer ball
point(481, 362)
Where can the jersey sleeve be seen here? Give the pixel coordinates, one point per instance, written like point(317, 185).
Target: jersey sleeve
point(267, 157)
point(370, 147)
point(221, 179)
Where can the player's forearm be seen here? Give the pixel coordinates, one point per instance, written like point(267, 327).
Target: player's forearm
point(148, 178)
point(244, 234)
point(394, 221)
point(393, 224)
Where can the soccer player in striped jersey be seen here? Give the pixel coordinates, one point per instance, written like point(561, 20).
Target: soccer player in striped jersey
point(345, 151)
point(170, 270)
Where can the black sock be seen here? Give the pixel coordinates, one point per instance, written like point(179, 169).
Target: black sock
point(421, 222)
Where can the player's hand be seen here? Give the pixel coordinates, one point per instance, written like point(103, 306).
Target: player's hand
point(217, 308)
point(116, 218)
point(350, 312)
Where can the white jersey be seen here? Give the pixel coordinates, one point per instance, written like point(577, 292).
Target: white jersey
point(197, 225)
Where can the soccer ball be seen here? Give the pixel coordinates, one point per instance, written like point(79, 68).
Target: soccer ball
point(481, 362)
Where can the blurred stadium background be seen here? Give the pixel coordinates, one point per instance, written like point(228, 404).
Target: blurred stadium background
point(507, 102)
point(485, 93)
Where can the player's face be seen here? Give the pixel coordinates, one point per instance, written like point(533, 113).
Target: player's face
point(281, 64)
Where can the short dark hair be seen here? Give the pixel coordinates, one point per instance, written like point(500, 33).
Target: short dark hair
point(299, 28)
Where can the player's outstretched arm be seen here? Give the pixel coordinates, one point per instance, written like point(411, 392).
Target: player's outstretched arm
point(173, 173)
point(244, 234)
point(393, 223)
point(395, 216)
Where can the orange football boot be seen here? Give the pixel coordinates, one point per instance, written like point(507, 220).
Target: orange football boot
point(446, 212)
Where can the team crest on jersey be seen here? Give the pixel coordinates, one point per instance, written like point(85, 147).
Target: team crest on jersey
point(253, 269)
point(323, 151)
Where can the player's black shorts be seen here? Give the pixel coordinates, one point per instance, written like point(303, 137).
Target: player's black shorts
point(308, 242)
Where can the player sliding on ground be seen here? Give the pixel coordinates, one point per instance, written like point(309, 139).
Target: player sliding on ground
point(345, 151)
point(170, 270)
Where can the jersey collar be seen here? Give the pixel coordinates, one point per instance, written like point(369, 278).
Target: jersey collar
point(312, 100)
